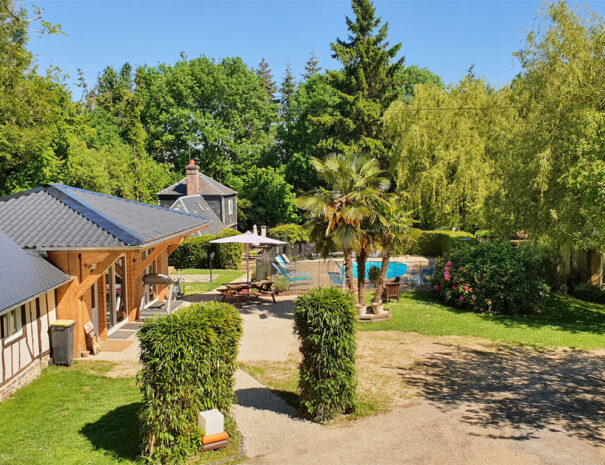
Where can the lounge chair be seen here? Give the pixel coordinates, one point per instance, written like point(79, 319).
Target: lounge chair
point(292, 277)
point(285, 264)
point(337, 278)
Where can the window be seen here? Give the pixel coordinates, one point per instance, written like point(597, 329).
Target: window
point(14, 322)
point(230, 206)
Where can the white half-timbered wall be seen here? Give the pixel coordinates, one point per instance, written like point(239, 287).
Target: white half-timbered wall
point(22, 356)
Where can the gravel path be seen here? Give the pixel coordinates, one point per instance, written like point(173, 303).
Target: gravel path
point(266, 422)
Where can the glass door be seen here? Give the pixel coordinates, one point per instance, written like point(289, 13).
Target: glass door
point(115, 292)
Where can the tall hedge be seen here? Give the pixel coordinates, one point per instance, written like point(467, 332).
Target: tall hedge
point(188, 360)
point(325, 323)
point(435, 243)
point(193, 252)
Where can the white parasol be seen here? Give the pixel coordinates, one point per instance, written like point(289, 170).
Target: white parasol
point(248, 239)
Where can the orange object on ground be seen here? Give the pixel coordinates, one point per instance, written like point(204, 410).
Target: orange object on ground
point(215, 445)
point(210, 438)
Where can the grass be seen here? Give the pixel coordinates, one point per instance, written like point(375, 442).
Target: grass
point(78, 415)
point(224, 276)
point(567, 322)
point(282, 379)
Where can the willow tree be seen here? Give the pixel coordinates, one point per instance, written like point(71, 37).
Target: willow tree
point(335, 213)
point(554, 169)
point(443, 160)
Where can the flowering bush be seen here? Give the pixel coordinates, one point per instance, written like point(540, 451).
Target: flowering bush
point(492, 277)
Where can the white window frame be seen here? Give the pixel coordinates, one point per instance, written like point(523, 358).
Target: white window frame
point(14, 317)
point(230, 206)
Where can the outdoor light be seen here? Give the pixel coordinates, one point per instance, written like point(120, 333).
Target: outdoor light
point(210, 257)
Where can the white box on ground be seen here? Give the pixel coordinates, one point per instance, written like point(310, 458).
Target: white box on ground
point(211, 421)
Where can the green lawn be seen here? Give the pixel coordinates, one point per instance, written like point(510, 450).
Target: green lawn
point(567, 322)
point(77, 416)
point(224, 276)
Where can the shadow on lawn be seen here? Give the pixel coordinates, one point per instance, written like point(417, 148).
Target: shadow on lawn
point(518, 388)
point(117, 432)
point(562, 312)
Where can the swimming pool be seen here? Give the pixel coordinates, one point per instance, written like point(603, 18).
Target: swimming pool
point(394, 269)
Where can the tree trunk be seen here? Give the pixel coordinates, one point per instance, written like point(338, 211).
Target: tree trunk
point(386, 255)
point(362, 257)
point(348, 256)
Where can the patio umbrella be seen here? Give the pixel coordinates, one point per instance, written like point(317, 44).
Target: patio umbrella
point(248, 238)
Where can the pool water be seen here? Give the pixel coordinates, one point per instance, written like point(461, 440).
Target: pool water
point(394, 269)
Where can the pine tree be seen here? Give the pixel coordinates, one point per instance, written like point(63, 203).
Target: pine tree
point(311, 66)
point(288, 88)
point(264, 71)
point(368, 83)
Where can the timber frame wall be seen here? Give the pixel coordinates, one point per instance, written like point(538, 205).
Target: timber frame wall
point(87, 267)
point(22, 356)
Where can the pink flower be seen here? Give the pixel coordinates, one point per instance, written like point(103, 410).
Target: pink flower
point(461, 298)
point(453, 288)
point(466, 288)
point(449, 263)
point(436, 287)
point(447, 268)
point(447, 276)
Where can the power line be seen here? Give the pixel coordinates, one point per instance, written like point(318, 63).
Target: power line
point(502, 107)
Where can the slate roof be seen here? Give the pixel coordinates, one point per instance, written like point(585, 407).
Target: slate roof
point(208, 186)
point(23, 275)
point(57, 216)
point(197, 205)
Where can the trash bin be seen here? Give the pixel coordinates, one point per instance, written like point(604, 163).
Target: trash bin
point(62, 342)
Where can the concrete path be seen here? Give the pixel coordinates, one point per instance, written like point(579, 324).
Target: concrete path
point(268, 330)
point(423, 435)
point(266, 422)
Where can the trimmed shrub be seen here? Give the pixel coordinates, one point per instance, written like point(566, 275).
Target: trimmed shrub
point(432, 243)
point(188, 360)
point(281, 284)
point(589, 293)
point(491, 277)
point(435, 243)
point(193, 252)
point(228, 256)
point(325, 322)
point(290, 233)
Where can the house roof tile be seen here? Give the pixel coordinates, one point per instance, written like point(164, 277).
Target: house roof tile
point(57, 216)
point(24, 275)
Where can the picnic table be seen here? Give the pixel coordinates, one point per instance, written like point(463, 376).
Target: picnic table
point(247, 289)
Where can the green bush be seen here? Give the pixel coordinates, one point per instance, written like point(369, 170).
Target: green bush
point(435, 243)
point(374, 275)
point(188, 360)
point(325, 322)
point(589, 293)
point(228, 256)
point(491, 277)
point(193, 252)
point(281, 284)
point(290, 233)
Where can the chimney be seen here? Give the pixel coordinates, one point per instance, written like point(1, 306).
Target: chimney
point(193, 178)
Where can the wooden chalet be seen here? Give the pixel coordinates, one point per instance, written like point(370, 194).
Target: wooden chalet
point(103, 244)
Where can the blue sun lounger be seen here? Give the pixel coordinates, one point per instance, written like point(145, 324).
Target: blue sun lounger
point(292, 277)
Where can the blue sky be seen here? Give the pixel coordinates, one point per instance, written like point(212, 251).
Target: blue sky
point(445, 36)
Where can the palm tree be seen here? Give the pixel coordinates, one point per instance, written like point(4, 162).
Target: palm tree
point(335, 214)
point(392, 226)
